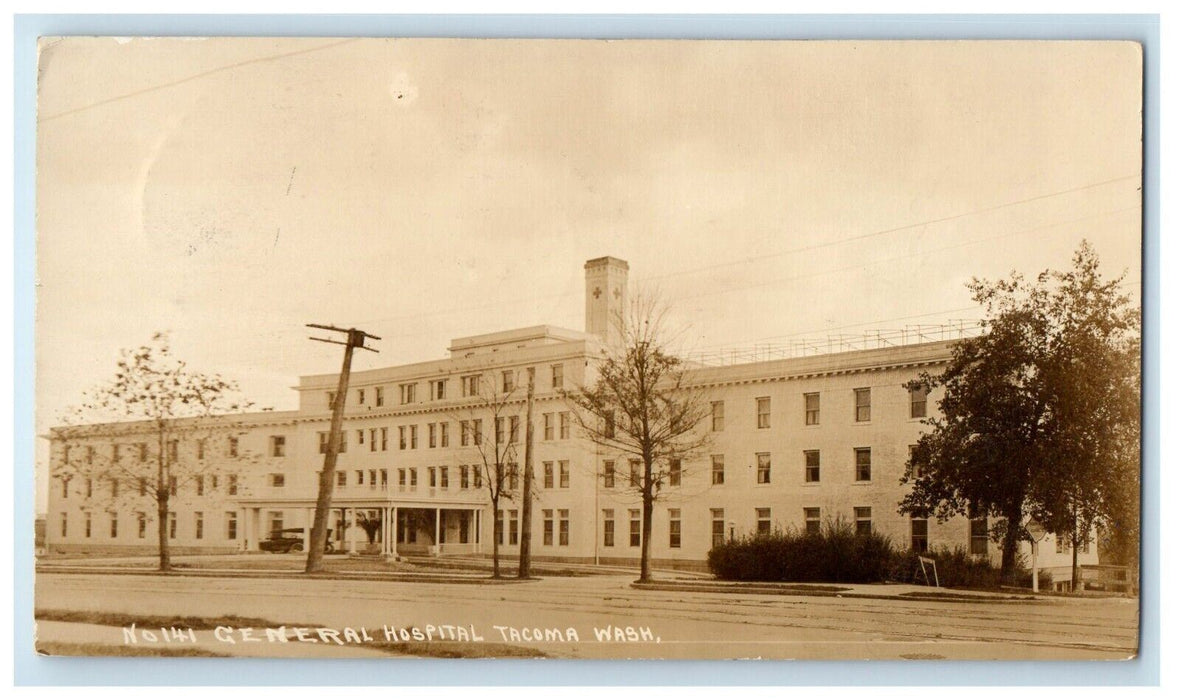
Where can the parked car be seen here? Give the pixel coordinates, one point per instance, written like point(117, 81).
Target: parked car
point(291, 540)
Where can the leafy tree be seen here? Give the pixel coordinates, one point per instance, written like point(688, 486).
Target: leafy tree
point(156, 432)
point(1040, 413)
point(641, 407)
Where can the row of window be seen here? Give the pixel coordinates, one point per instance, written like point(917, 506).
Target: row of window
point(861, 408)
point(471, 432)
point(141, 522)
point(141, 451)
point(862, 469)
point(143, 485)
point(437, 388)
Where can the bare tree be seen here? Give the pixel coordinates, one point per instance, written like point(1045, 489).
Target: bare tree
point(157, 432)
point(640, 406)
point(493, 404)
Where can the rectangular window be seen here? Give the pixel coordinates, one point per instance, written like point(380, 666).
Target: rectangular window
point(86, 525)
point(199, 526)
point(331, 396)
point(477, 477)
point(232, 484)
point(977, 534)
point(563, 474)
point(763, 521)
point(564, 425)
point(862, 457)
point(718, 470)
point(372, 478)
point(609, 425)
point(764, 471)
point(471, 385)
point(465, 433)
point(342, 479)
point(512, 527)
point(508, 381)
point(65, 524)
point(172, 486)
point(360, 437)
point(444, 478)
point(114, 452)
point(547, 421)
point(861, 405)
point(401, 478)
point(407, 392)
point(114, 488)
point(173, 451)
point(513, 476)
point(360, 396)
point(717, 526)
point(413, 478)
point(499, 525)
point(674, 472)
point(278, 481)
point(918, 402)
point(674, 528)
point(918, 534)
point(278, 446)
point(200, 481)
point(608, 528)
point(114, 525)
point(89, 487)
point(414, 437)
point(811, 466)
point(233, 447)
point(141, 525)
point(201, 448)
point(172, 526)
point(478, 431)
point(557, 376)
point(66, 487)
point(438, 389)
point(514, 429)
point(547, 538)
point(443, 438)
point(763, 411)
point(547, 469)
point(634, 473)
point(563, 528)
point(378, 396)
point(812, 521)
point(385, 478)
point(718, 413)
point(431, 480)
point(360, 477)
point(913, 471)
point(323, 443)
point(863, 519)
point(430, 434)
point(633, 516)
point(231, 525)
point(401, 437)
point(608, 475)
point(463, 479)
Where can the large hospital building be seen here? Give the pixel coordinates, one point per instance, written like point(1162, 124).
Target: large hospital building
point(794, 442)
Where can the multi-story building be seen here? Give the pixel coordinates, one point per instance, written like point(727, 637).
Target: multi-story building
point(793, 442)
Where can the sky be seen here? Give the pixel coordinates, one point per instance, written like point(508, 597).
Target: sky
point(232, 190)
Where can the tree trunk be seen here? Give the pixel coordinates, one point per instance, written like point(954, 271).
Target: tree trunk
point(496, 526)
point(162, 495)
point(1009, 546)
point(646, 526)
point(524, 562)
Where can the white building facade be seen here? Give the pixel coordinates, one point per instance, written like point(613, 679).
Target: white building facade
point(793, 443)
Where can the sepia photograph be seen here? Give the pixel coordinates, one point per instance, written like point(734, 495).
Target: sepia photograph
point(368, 348)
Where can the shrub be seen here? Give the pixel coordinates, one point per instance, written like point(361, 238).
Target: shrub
point(836, 554)
point(956, 569)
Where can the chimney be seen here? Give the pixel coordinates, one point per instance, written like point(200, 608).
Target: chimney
point(606, 297)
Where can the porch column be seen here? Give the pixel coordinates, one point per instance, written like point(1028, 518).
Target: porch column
point(351, 520)
point(394, 530)
point(241, 533)
point(438, 544)
point(479, 547)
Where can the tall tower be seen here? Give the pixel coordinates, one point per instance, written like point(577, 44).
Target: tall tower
point(606, 297)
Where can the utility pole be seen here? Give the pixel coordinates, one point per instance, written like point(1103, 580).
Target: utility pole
point(525, 562)
point(355, 339)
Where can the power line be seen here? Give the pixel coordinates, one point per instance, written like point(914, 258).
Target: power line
point(190, 78)
point(748, 260)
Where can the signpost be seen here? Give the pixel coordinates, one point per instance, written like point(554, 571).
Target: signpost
point(1036, 534)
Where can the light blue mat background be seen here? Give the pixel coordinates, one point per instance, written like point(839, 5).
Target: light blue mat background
point(33, 670)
